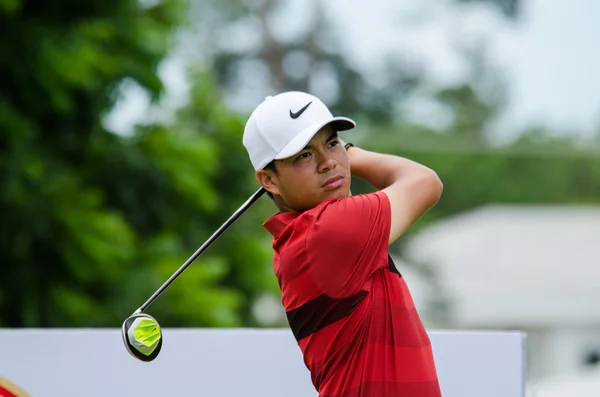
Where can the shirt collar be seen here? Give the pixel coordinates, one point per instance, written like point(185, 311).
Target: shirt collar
point(279, 221)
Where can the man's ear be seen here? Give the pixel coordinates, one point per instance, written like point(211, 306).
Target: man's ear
point(268, 180)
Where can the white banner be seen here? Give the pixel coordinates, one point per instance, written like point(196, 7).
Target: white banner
point(230, 363)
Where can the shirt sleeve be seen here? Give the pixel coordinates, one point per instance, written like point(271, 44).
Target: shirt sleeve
point(348, 242)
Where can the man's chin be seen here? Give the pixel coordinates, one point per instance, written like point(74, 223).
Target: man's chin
point(339, 193)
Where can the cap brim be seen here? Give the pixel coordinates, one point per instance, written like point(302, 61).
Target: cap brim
point(301, 140)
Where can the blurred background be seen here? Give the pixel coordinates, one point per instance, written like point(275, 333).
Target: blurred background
point(120, 153)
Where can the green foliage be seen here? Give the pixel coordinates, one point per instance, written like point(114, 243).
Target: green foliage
point(63, 245)
point(209, 176)
point(93, 222)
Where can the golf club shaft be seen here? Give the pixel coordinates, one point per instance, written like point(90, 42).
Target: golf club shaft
point(204, 246)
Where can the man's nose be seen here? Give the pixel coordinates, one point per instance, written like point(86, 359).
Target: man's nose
point(328, 163)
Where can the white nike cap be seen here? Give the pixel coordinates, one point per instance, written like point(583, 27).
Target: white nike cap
point(282, 125)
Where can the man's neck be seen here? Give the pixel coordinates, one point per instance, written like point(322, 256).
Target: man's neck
point(282, 206)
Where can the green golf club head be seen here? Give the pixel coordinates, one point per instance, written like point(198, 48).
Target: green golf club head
point(142, 336)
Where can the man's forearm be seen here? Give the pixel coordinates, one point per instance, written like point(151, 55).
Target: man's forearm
point(382, 170)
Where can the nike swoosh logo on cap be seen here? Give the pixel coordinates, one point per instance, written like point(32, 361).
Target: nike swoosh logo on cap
point(299, 112)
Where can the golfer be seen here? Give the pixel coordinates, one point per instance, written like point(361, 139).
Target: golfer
point(347, 305)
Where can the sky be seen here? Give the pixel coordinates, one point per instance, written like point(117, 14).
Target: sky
point(549, 58)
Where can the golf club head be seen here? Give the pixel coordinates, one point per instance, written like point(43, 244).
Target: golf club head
point(142, 336)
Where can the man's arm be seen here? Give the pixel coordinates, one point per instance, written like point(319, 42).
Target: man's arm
point(412, 188)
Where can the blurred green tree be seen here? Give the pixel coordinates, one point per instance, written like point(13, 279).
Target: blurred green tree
point(245, 44)
point(205, 178)
point(93, 222)
point(239, 40)
point(535, 168)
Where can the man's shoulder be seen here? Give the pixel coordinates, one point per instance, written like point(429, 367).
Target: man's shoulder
point(346, 221)
point(329, 219)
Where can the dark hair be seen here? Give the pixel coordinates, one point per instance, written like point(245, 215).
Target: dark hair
point(271, 166)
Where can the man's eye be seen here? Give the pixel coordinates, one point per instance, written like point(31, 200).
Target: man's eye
point(334, 143)
point(303, 156)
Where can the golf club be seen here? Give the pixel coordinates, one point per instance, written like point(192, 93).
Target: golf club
point(141, 332)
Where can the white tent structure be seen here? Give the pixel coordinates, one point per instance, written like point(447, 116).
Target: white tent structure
point(527, 267)
point(586, 384)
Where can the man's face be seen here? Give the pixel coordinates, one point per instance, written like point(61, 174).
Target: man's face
point(319, 172)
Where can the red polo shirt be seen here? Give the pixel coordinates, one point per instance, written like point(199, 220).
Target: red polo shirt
point(347, 305)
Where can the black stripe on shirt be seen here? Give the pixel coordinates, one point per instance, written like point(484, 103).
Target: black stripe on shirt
point(321, 312)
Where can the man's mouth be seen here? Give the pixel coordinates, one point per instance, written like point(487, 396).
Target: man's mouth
point(333, 182)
